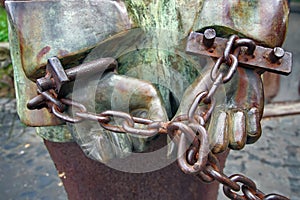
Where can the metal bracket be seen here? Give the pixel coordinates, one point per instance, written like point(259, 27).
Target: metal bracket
point(264, 59)
point(56, 76)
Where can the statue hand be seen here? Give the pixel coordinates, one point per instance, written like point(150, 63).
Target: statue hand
point(236, 120)
point(236, 117)
point(119, 93)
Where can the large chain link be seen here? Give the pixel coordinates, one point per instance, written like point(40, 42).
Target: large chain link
point(197, 159)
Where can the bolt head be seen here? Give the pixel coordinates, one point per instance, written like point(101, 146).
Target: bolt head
point(209, 37)
point(278, 52)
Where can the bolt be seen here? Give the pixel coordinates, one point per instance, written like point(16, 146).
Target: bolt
point(276, 54)
point(45, 84)
point(209, 37)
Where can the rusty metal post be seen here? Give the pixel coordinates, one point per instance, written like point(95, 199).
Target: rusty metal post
point(84, 178)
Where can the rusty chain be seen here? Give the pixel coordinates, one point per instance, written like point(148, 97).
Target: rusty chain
point(197, 159)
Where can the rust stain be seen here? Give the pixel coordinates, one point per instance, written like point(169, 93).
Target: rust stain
point(41, 53)
point(20, 36)
point(279, 27)
point(243, 84)
point(21, 44)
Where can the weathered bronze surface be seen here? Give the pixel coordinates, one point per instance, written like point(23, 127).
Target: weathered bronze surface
point(156, 79)
point(148, 40)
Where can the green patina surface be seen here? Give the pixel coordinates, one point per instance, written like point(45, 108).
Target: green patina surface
point(146, 37)
point(55, 133)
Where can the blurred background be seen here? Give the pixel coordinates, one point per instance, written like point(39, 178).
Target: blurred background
point(27, 172)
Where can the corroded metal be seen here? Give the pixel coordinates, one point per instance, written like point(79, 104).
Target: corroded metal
point(235, 141)
point(209, 37)
point(194, 163)
point(266, 59)
point(56, 76)
point(144, 51)
point(39, 29)
point(156, 79)
point(26, 89)
point(97, 180)
point(194, 131)
point(250, 19)
point(49, 28)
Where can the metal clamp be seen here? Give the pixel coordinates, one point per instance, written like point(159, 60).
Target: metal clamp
point(56, 76)
point(274, 60)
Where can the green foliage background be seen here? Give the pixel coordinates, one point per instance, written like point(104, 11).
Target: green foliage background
point(6, 73)
point(3, 26)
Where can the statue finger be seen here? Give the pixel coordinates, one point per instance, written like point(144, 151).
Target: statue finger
point(253, 125)
point(218, 132)
point(237, 129)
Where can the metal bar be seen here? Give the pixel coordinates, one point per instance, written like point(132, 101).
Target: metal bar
point(62, 76)
point(281, 109)
point(91, 68)
point(259, 60)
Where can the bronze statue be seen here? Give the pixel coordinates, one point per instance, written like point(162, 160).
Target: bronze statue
point(155, 78)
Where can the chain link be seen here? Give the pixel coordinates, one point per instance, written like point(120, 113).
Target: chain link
point(225, 78)
point(187, 131)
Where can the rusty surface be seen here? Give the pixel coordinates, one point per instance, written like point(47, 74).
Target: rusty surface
point(53, 28)
point(259, 60)
point(43, 34)
point(84, 178)
point(239, 118)
point(50, 28)
point(195, 130)
point(263, 21)
point(56, 76)
point(26, 89)
point(204, 92)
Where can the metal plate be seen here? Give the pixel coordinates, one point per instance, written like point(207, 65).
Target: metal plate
point(259, 60)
